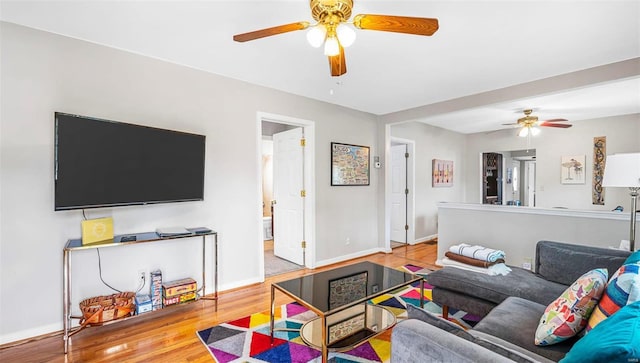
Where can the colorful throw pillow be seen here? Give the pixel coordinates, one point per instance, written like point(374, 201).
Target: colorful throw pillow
point(633, 258)
point(568, 314)
point(622, 289)
point(617, 339)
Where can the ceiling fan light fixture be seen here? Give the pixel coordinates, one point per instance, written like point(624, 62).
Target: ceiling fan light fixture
point(316, 35)
point(346, 34)
point(534, 131)
point(331, 46)
point(524, 132)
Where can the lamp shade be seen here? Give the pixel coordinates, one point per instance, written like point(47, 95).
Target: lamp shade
point(622, 170)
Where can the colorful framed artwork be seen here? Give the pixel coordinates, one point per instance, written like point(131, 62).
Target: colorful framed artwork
point(572, 169)
point(442, 173)
point(349, 164)
point(345, 290)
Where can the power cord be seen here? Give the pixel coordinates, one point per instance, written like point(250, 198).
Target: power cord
point(143, 280)
point(100, 271)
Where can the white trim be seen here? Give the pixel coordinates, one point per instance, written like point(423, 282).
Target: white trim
point(620, 216)
point(426, 238)
point(31, 333)
point(343, 258)
point(309, 182)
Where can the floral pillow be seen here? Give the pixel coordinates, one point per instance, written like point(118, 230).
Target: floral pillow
point(568, 314)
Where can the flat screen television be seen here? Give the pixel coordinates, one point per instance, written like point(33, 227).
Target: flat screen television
point(102, 163)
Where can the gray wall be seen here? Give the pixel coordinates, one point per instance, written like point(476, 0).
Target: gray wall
point(43, 73)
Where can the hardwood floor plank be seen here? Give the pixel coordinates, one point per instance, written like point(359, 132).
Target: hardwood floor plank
point(169, 335)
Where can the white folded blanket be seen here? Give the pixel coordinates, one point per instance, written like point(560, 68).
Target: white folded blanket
point(497, 269)
point(478, 252)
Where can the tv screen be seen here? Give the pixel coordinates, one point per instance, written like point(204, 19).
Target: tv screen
point(102, 163)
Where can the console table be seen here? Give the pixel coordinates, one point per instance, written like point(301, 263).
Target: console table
point(120, 241)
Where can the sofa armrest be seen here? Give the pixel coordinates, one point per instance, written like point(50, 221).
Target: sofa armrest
point(564, 262)
point(415, 341)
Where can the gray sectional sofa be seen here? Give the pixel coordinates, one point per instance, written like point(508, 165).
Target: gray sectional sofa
point(511, 307)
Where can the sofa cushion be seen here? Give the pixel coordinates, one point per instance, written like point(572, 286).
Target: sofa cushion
point(622, 289)
point(568, 314)
point(415, 341)
point(414, 312)
point(617, 339)
point(504, 349)
point(519, 282)
point(515, 320)
point(564, 262)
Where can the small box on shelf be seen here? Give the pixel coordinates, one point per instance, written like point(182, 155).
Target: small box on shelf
point(177, 287)
point(143, 304)
point(156, 289)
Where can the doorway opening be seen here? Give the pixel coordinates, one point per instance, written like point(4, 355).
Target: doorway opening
point(509, 177)
point(287, 194)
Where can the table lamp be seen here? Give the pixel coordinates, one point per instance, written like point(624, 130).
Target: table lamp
point(623, 170)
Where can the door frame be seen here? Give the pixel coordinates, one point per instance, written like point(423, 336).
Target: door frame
point(309, 184)
point(411, 182)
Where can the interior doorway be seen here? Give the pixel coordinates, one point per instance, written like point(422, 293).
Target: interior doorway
point(402, 192)
point(286, 193)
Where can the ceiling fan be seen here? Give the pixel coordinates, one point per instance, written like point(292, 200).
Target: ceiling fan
point(529, 124)
point(332, 29)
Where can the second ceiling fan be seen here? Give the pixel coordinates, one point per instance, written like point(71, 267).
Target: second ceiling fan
point(333, 31)
point(529, 124)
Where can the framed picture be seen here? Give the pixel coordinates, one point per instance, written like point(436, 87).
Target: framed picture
point(345, 290)
point(442, 173)
point(572, 169)
point(346, 328)
point(349, 164)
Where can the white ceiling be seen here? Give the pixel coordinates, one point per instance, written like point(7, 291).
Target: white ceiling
point(481, 46)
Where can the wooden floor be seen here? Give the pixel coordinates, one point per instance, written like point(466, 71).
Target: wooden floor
point(169, 335)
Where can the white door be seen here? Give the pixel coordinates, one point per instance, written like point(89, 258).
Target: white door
point(288, 183)
point(530, 184)
point(398, 196)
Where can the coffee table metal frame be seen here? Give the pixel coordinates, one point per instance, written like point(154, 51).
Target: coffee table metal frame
point(324, 314)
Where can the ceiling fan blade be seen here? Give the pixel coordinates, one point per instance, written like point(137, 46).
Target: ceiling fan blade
point(398, 24)
point(338, 64)
point(257, 34)
point(556, 120)
point(551, 124)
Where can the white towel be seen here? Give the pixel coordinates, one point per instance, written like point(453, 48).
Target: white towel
point(497, 269)
point(478, 252)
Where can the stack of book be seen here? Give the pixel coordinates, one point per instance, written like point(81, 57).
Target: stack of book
point(179, 291)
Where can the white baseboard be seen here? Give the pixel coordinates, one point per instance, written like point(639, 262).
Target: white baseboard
point(31, 333)
point(349, 257)
point(425, 239)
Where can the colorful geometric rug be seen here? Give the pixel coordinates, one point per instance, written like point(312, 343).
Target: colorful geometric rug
point(248, 340)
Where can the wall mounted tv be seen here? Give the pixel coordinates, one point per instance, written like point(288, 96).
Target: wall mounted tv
point(102, 163)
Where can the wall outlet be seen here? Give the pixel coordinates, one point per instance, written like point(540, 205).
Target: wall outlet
point(348, 241)
point(527, 264)
point(142, 278)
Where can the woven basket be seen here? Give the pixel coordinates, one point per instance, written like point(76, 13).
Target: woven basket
point(101, 309)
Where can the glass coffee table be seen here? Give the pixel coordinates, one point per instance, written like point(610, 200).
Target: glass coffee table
point(339, 298)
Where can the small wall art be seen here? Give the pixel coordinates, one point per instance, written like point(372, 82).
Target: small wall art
point(442, 173)
point(349, 164)
point(572, 169)
point(599, 156)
